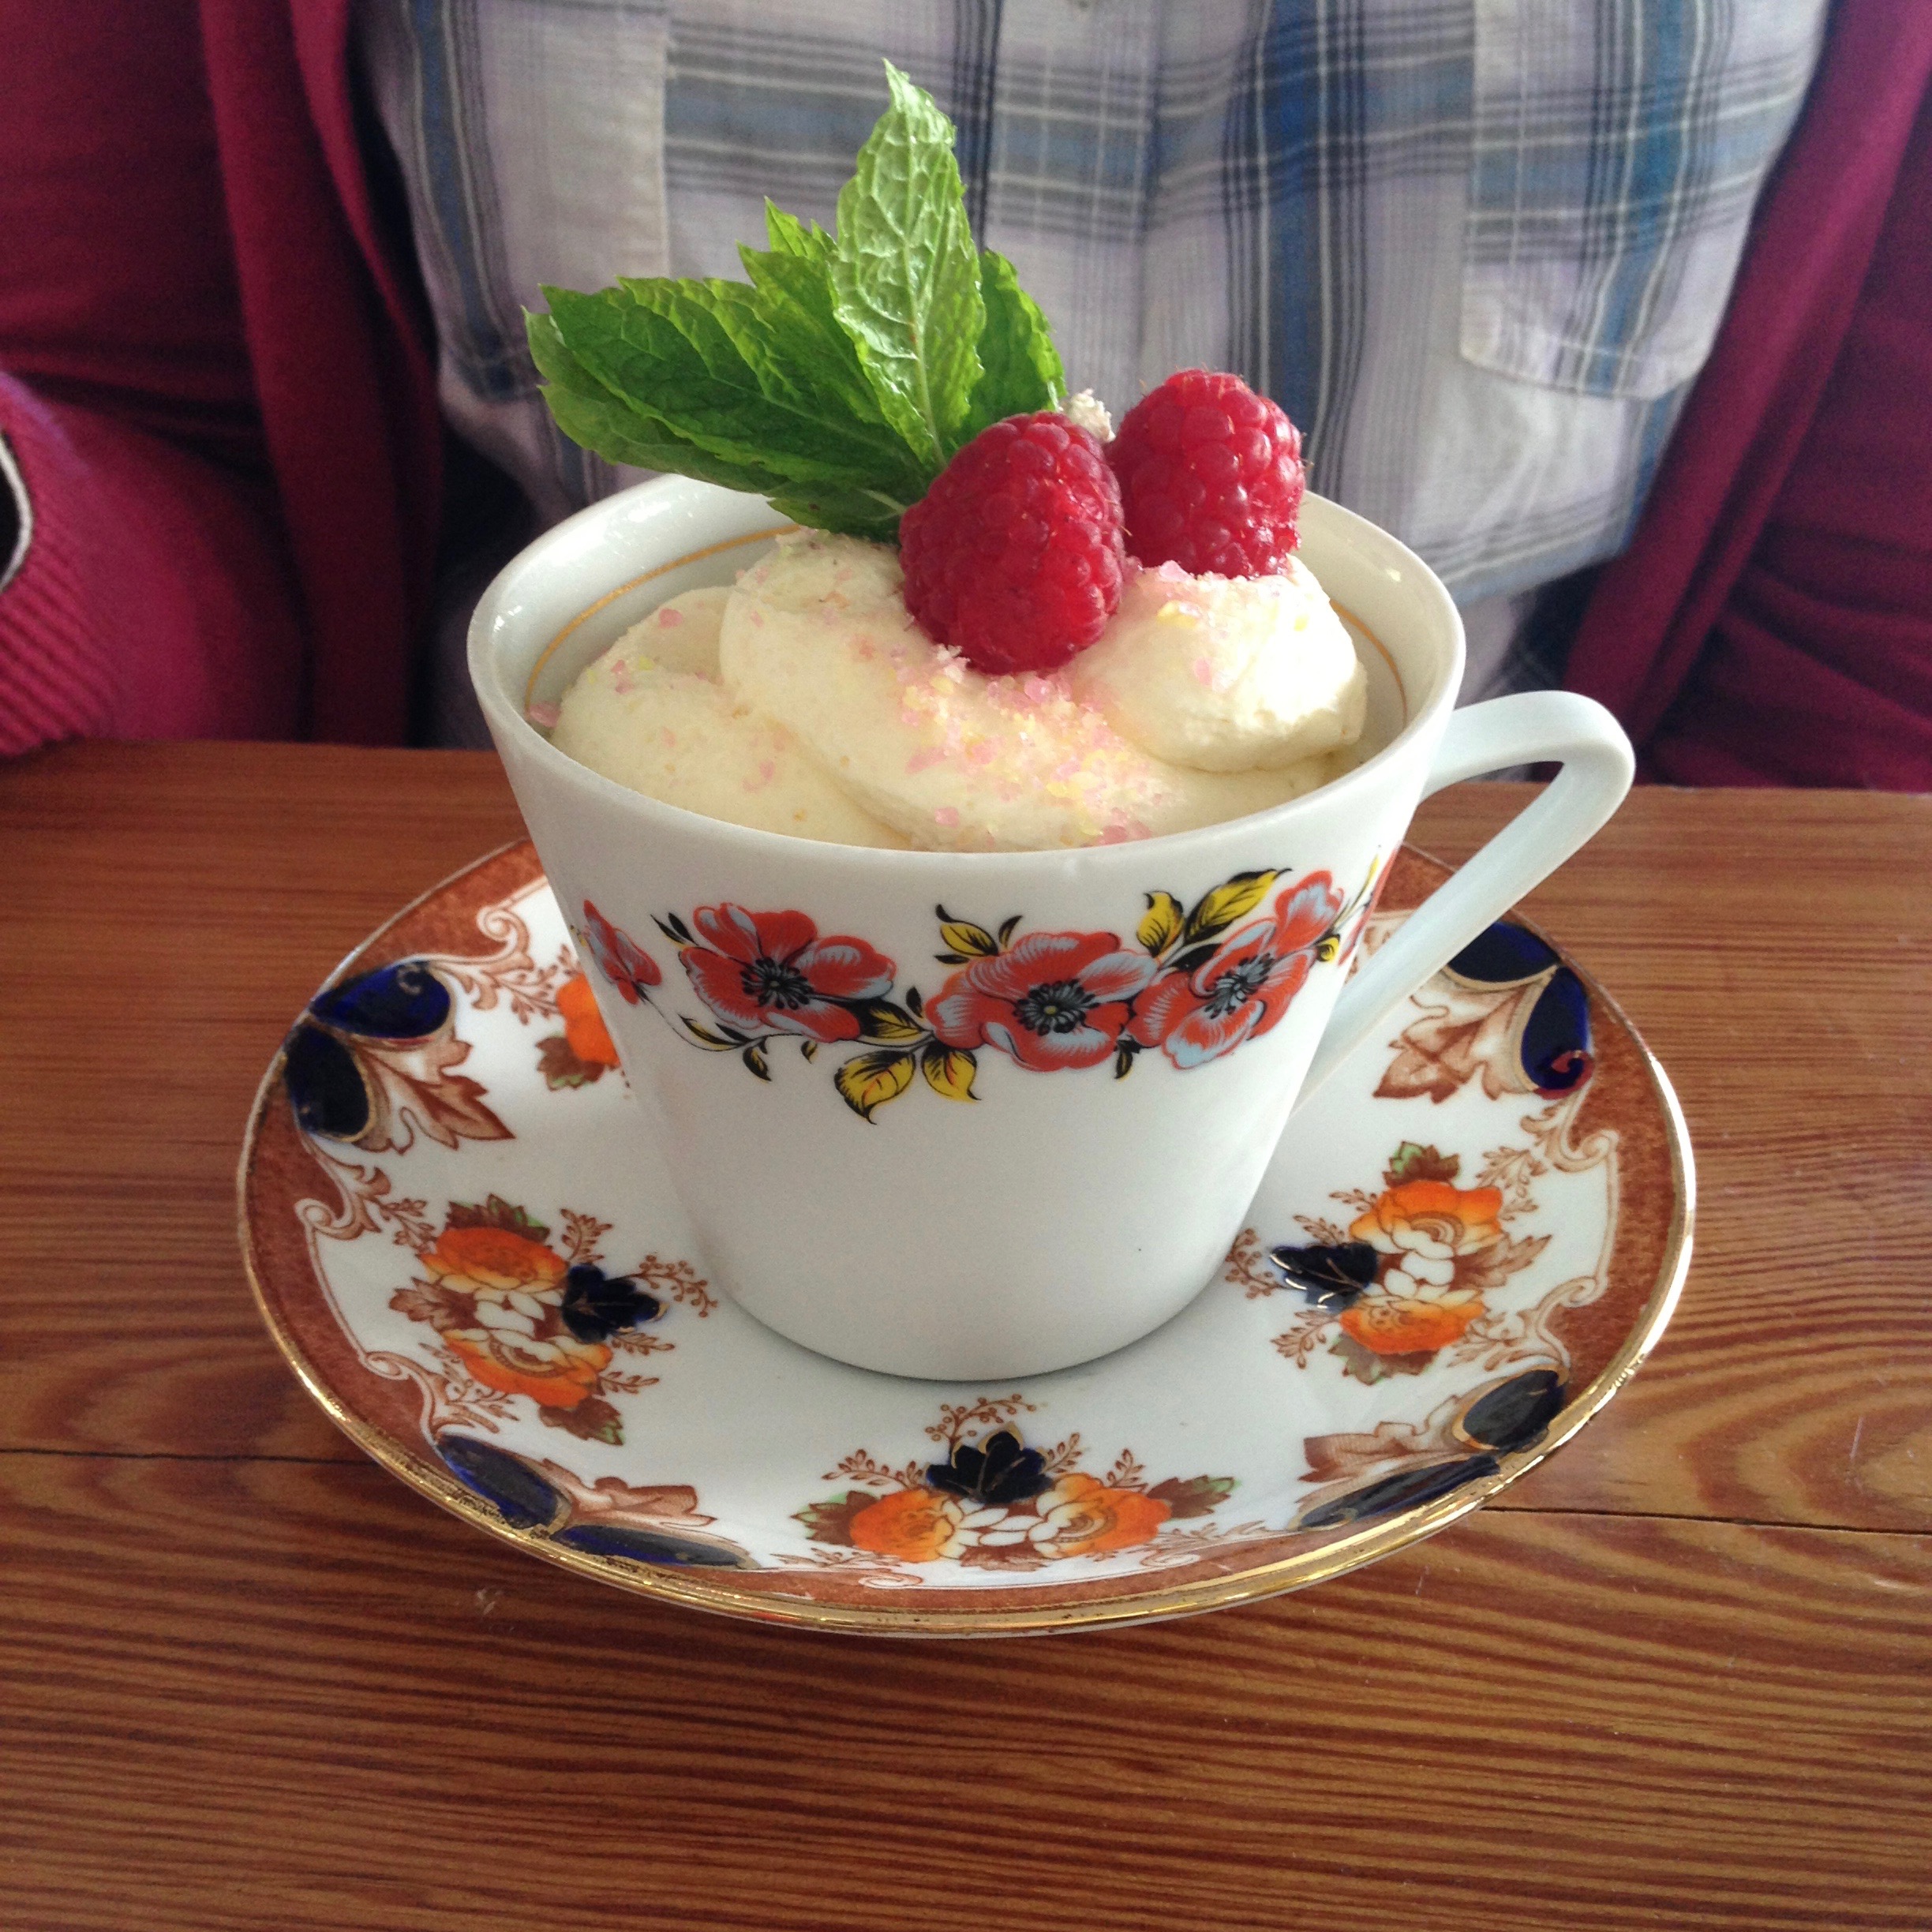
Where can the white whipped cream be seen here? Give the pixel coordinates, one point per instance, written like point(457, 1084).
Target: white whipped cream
point(1226, 674)
point(807, 700)
point(651, 714)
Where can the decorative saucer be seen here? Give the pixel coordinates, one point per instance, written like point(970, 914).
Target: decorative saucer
point(461, 1238)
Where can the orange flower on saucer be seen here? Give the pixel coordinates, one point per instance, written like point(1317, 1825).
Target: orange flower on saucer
point(1087, 1519)
point(1431, 1217)
point(917, 1524)
point(1418, 1323)
point(494, 1261)
point(523, 1319)
point(996, 1502)
point(1432, 1231)
point(1437, 1236)
point(556, 1372)
point(583, 1025)
point(1410, 1275)
point(584, 1052)
point(515, 1339)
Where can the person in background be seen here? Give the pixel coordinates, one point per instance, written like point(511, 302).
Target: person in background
point(1479, 253)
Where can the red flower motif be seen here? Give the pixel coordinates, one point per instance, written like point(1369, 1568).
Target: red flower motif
point(1246, 985)
point(620, 958)
point(771, 973)
point(1053, 1000)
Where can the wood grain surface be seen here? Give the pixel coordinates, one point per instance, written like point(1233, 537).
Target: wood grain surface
point(1681, 1678)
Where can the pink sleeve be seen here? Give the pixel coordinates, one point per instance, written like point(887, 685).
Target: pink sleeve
point(152, 598)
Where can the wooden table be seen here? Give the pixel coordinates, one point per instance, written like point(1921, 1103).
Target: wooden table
point(1680, 1677)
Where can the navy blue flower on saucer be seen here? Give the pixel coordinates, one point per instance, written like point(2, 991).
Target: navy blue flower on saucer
point(1497, 1420)
point(1506, 1010)
point(1000, 1469)
point(599, 1519)
point(371, 1062)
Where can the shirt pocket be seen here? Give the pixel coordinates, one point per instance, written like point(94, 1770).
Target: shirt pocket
point(1617, 151)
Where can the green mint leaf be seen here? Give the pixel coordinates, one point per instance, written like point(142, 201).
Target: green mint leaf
point(906, 275)
point(794, 282)
point(845, 512)
point(839, 380)
point(702, 360)
point(1020, 367)
point(788, 235)
point(622, 436)
point(807, 346)
point(587, 412)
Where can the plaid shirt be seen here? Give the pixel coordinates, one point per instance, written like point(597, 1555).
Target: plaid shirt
point(1477, 248)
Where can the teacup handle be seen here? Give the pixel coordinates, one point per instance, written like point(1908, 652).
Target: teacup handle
point(1530, 727)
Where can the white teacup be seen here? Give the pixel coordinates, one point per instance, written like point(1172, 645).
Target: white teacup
point(1041, 1147)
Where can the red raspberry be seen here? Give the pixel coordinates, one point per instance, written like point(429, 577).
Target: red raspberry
point(1210, 476)
point(1014, 555)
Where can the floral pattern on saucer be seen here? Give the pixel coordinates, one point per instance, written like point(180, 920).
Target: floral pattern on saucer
point(1445, 1274)
point(519, 1315)
point(992, 1502)
point(1505, 1011)
point(583, 1052)
point(1406, 1278)
point(659, 1524)
point(372, 1062)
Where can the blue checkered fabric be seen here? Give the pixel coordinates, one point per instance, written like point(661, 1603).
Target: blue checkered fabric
point(1478, 249)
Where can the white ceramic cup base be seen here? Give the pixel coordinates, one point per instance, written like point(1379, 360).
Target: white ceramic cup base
point(1063, 1210)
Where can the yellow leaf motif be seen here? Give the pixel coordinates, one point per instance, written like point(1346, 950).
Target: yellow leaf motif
point(948, 1073)
point(1161, 927)
point(869, 1079)
point(963, 936)
point(880, 1020)
point(1226, 904)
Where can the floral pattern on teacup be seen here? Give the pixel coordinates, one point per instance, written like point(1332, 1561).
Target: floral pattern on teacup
point(1193, 984)
point(1199, 1011)
point(771, 972)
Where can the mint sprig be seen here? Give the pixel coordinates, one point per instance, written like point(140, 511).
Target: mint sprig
point(843, 376)
point(905, 279)
point(1018, 362)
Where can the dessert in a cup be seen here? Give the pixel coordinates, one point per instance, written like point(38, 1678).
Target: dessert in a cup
point(969, 884)
point(999, 626)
